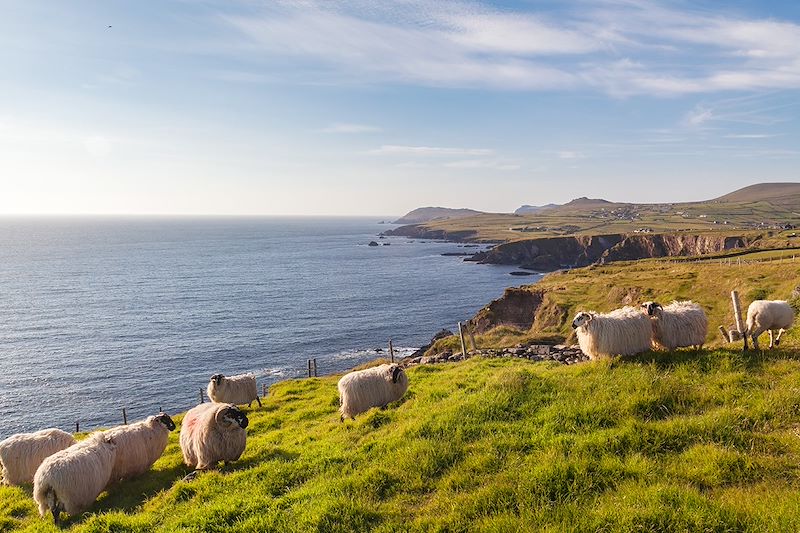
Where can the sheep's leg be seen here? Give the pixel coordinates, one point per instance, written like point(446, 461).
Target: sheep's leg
point(755, 341)
point(780, 332)
point(771, 340)
point(258, 400)
point(57, 508)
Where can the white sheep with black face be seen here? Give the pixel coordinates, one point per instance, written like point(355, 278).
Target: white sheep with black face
point(677, 325)
point(139, 445)
point(238, 390)
point(372, 387)
point(21, 454)
point(769, 315)
point(71, 480)
point(213, 432)
point(625, 331)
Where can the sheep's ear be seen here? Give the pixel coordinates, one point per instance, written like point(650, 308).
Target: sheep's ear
point(396, 374)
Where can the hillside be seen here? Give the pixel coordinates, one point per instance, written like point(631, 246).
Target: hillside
point(549, 305)
point(685, 442)
point(427, 214)
point(759, 207)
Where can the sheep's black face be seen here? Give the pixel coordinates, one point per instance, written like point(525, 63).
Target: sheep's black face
point(166, 420)
point(651, 307)
point(235, 415)
point(217, 378)
point(581, 319)
point(396, 373)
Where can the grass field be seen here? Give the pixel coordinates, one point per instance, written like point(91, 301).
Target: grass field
point(678, 442)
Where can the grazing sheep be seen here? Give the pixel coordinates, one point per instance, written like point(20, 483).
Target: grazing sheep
point(372, 387)
point(677, 325)
point(212, 432)
point(768, 315)
point(237, 390)
point(21, 454)
point(71, 480)
point(139, 445)
point(624, 331)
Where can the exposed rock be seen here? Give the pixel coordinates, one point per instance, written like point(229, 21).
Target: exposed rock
point(421, 351)
point(373, 243)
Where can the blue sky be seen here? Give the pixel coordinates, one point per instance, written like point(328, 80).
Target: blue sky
point(363, 107)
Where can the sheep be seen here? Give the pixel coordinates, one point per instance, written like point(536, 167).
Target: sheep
point(212, 432)
point(624, 331)
point(71, 480)
point(677, 325)
point(372, 387)
point(21, 454)
point(768, 315)
point(237, 390)
point(139, 445)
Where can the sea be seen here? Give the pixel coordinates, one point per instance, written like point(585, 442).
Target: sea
point(98, 314)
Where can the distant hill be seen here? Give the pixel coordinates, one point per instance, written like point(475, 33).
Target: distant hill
point(774, 193)
point(530, 209)
point(428, 214)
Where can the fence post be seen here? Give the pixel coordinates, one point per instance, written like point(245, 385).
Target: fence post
point(77, 426)
point(391, 351)
point(737, 314)
point(263, 390)
point(202, 400)
point(308, 363)
point(315, 366)
point(463, 342)
point(124, 416)
point(724, 334)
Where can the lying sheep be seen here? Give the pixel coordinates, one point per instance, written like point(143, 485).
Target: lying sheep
point(768, 315)
point(21, 454)
point(139, 445)
point(71, 480)
point(373, 387)
point(212, 432)
point(237, 390)
point(625, 331)
point(677, 325)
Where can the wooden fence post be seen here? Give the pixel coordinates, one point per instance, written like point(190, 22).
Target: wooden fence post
point(308, 363)
point(391, 351)
point(124, 416)
point(463, 342)
point(315, 366)
point(724, 334)
point(263, 390)
point(202, 400)
point(737, 314)
point(77, 426)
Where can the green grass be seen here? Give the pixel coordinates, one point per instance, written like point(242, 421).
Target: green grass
point(681, 442)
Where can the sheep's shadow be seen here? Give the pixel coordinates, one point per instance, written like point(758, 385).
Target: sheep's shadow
point(130, 494)
point(276, 454)
point(707, 360)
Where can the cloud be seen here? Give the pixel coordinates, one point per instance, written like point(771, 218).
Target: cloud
point(345, 127)
point(750, 136)
point(622, 48)
point(698, 116)
point(394, 149)
point(482, 163)
point(568, 154)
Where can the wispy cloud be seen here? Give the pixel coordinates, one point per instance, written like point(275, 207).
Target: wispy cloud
point(482, 164)
point(750, 136)
point(395, 149)
point(569, 154)
point(620, 47)
point(346, 127)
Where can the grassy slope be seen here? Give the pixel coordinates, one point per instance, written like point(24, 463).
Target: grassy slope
point(605, 287)
point(681, 442)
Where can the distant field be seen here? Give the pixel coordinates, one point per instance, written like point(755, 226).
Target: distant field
point(624, 218)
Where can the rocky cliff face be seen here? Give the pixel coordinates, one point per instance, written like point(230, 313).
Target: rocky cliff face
point(560, 252)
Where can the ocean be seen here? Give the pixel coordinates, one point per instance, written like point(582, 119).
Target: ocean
point(98, 314)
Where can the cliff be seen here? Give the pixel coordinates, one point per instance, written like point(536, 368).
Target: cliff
point(559, 252)
point(416, 231)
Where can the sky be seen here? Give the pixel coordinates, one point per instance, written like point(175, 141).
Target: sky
point(361, 107)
